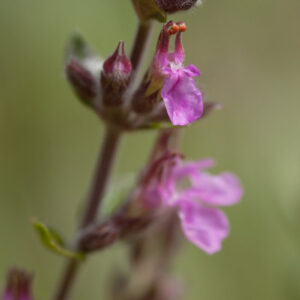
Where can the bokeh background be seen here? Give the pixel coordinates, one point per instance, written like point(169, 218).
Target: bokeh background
point(248, 52)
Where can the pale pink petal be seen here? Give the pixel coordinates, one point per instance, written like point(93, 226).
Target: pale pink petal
point(192, 168)
point(182, 99)
point(218, 190)
point(204, 227)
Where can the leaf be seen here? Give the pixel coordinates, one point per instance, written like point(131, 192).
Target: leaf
point(53, 241)
point(148, 9)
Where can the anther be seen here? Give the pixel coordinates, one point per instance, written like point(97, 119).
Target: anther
point(173, 29)
point(181, 26)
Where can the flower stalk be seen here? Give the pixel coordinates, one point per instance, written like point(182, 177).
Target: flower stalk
point(105, 163)
point(137, 56)
point(102, 174)
point(141, 43)
point(99, 184)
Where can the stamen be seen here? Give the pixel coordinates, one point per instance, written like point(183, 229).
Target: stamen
point(182, 26)
point(173, 29)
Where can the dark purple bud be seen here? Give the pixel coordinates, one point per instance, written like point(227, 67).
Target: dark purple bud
point(172, 6)
point(119, 226)
point(81, 80)
point(118, 65)
point(98, 237)
point(18, 286)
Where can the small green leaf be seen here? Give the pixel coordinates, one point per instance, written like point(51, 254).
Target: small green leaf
point(148, 9)
point(52, 240)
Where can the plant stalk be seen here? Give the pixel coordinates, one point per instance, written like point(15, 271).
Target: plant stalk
point(141, 42)
point(99, 184)
point(138, 53)
point(105, 161)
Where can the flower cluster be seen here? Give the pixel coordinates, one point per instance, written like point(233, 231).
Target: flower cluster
point(168, 81)
point(169, 189)
point(197, 200)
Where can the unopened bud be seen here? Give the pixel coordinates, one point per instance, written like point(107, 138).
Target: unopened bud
point(119, 226)
point(115, 76)
point(118, 65)
point(82, 81)
point(98, 237)
point(172, 6)
point(18, 286)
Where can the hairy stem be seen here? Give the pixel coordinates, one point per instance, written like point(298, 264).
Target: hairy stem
point(98, 187)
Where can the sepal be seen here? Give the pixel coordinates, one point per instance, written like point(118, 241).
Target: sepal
point(79, 49)
point(83, 69)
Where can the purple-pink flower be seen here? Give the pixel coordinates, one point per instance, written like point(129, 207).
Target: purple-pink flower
point(18, 286)
point(182, 98)
point(198, 196)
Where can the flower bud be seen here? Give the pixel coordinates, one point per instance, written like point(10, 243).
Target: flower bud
point(118, 65)
point(172, 6)
point(18, 286)
point(98, 237)
point(81, 80)
point(115, 76)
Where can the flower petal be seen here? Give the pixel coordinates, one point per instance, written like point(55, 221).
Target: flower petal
point(192, 71)
point(192, 168)
point(182, 98)
point(219, 190)
point(204, 227)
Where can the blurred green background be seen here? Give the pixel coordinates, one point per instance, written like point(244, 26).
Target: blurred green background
point(249, 55)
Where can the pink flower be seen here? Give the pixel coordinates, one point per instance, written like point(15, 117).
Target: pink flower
point(182, 98)
point(202, 221)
